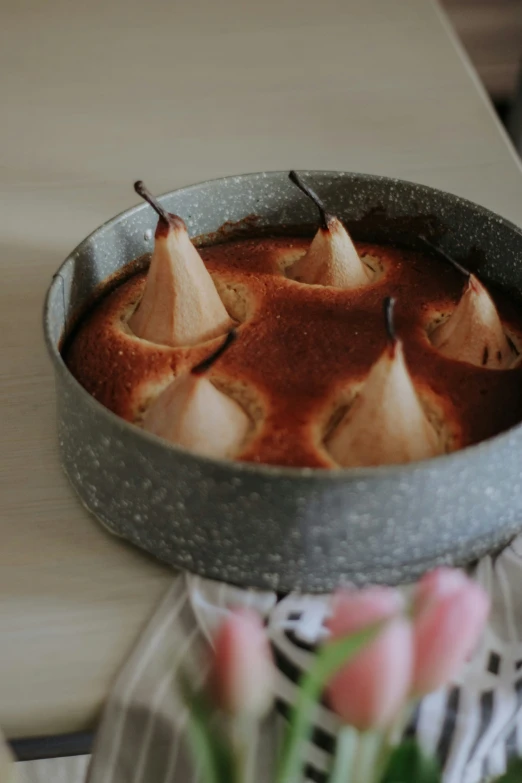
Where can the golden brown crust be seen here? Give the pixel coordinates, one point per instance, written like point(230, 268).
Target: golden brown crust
point(301, 349)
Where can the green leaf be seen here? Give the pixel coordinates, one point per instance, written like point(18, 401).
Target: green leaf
point(210, 747)
point(408, 764)
point(513, 774)
point(328, 661)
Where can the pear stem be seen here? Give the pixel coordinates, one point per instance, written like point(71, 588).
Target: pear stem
point(446, 257)
point(206, 364)
point(145, 193)
point(389, 308)
point(312, 195)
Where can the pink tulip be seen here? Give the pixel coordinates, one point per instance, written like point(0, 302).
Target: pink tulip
point(242, 673)
point(450, 613)
point(371, 689)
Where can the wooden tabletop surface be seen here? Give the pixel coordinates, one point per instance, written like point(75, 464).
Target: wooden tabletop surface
point(95, 95)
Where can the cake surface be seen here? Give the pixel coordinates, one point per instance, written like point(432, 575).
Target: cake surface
point(303, 351)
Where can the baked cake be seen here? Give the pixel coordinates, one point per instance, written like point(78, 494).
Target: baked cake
point(293, 351)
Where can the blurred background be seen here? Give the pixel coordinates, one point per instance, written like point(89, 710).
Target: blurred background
point(491, 32)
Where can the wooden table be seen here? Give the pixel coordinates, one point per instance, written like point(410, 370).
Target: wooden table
point(95, 95)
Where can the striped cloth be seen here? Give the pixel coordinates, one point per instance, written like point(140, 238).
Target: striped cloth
point(473, 726)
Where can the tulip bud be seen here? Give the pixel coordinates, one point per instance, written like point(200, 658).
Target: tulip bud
point(450, 611)
point(242, 673)
point(371, 689)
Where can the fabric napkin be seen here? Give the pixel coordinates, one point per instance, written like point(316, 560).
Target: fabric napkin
point(473, 726)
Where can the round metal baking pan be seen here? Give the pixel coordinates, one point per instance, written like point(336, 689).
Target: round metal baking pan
point(285, 528)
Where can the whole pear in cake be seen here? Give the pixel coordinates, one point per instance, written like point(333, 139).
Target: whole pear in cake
point(331, 259)
point(386, 423)
point(180, 304)
point(473, 332)
point(194, 414)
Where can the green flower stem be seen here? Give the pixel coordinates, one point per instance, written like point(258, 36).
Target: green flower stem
point(400, 724)
point(245, 736)
point(384, 753)
point(328, 661)
point(343, 765)
point(367, 754)
point(391, 738)
point(209, 744)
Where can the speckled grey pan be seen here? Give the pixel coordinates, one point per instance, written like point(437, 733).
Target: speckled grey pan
point(275, 527)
